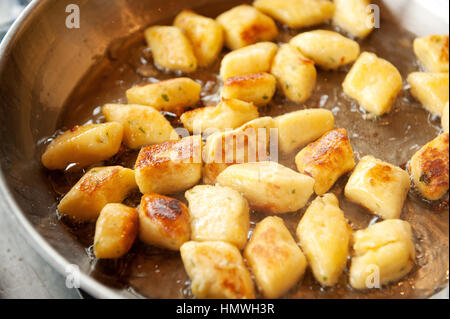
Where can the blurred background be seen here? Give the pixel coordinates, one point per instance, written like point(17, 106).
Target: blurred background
point(9, 10)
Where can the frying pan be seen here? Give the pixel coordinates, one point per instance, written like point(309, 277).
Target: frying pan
point(41, 63)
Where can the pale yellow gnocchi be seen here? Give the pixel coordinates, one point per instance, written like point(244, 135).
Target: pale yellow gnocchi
point(378, 186)
point(383, 253)
point(429, 168)
point(327, 159)
point(173, 95)
point(374, 83)
point(217, 271)
point(252, 59)
point(354, 17)
point(171, 49)
point(295, 73)
point(431, 90)
point(83, 146)
point(432, 52)
point(170, 167)
point(115, 231)
point(325, 234)
point(245, 25)
point(163, 222)
point(97, 188)
point(228, 114)
point(218, 214)
point(205, 34)
point(142, 125)
point(257, 88)
point(299, 128)
point(297, 13)
point(327, 49)
point(268, 186)
point(274, 258)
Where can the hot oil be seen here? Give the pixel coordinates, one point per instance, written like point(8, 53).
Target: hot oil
point(155, 273)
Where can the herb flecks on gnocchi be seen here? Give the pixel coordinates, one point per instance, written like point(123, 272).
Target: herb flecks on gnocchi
point(170, 167)
point(327, 49)
point(274, 258)
point(115, 231)
point(268, 186)
point(429, 168)
point(97, 188)
point(217, 271)
point(378, 186)
point(432, 52)
point(296, 74)
point(374, 83)
point(430, 89)
point(173, 95)
point(354, 17)
point(205, 34)
point(171, 49)
point(244, 25)
point(297, 13)
point(218, 214)
point(163, 222)
point(325, 236)
point(83, 146)
point(383, 252)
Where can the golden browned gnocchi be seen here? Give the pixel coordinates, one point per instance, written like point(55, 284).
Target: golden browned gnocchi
point(430, 89)
point(218, 214)
point(374, 83)
point(170, 167)
point(268, 186)
point(171, 49)
point(98, 187)
point(217, 271)
point(142, 125)
point(354, 17)
point(325, 236)
point(328, 49)
point(297, 13)
point(163, 222)
point(295, 73)
point(228, 114)
point(445, 118)
point(252, 59)
point(205, 34)
point(274, 258)
point(432, 52)
point(83, 146)
point(429, 168)
point(257, 88)
point(378, 186)
point(299, 128)
point(173, 95)
point(326, 160)
point(245, 25)
point(115, 231)
point(383, 253)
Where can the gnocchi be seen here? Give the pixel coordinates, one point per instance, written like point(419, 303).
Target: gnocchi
point(378, 186)
point(218, 214)
point(217, 271)
point(171, 49)
point(83, 146)
point(170, 167)
point(295, 73)
point(325, 236)
point(354, 17)
point(163, 222)
point(97, 188)
point(268, 186)
point(374, 83)
point(384, 250)
point(299, 128)
point(430, 89)
point(429, 168)
point(244, 25)
point(432, 52)
point(274, 258)
point(326, 160)
point(173, 95)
